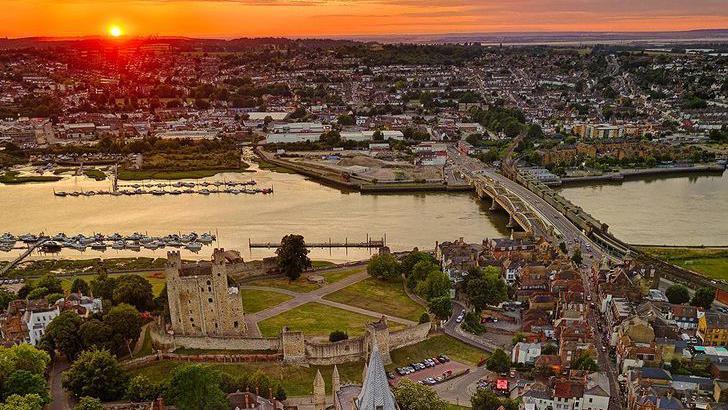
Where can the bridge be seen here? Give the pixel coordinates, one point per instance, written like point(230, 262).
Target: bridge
point(519, 212)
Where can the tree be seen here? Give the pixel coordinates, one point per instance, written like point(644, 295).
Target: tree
point(549, 349)
point(125, 324)
point(103, 286)
point(89, 403)
point(95, 333)
point(23, 357)
point(140, 388)
point(133, 290)
point(585, 362)
point(436, 284)
point(96, 373)
point(518, 337)
point(378, 136)
point(196, 387)
point(677, 294)
point(23, 382)
point(80, 286)
point(414, 257)
point(498, 362)
point(562, 247)
point(6, 297)
point(52, 283)
point(441, 307)
point(485, 400)
point(424, 318)
point(338, 335)
point(485, 287)
point(293, 256)
point(419, 272)
point(576, 257)
point(38, 293)
point(384, 267)
point(28, 402)
point(415, 396)
point(62, 334)
point(703, 297)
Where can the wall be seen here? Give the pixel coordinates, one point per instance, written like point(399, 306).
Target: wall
point(322, 353)
point(409, 336)
point(218, 358)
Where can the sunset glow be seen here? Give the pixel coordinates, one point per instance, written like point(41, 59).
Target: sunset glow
point(227, 19)
point(115, 31)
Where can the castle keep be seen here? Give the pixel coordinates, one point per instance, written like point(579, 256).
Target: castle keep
point(201, 303)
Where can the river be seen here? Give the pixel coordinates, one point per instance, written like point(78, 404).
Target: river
point(298, 205)
point(680, 210)
point(684, 210)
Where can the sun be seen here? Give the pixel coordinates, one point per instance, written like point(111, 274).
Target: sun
point(115, 31)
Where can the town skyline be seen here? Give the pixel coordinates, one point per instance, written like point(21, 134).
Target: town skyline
point(289, 18)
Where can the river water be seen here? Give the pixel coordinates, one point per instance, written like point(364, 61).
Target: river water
point(687, 210)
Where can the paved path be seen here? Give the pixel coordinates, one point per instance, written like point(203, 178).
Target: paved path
point(59, 397)
point(461, 389)
point(315, 296)
point(452, 328)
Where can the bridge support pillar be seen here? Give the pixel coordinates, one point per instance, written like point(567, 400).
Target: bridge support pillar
point(511, 222)
point(493, 205)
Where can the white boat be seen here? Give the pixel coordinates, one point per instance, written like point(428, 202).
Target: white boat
point(206, 238)
point(118, 245)
point(151, 245)
point(98, 246)
point(134, 246)
point(194, 246)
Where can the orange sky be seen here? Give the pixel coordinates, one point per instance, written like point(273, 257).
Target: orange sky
point(235, 18)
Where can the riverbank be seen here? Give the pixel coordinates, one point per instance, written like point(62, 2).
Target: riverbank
point(632, 174)
point(708, 261)
point(14, 178)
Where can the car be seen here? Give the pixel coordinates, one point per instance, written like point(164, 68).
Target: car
point(430, 381)
point(390, 375)
point(460, 317)
point(401, 371)
point(435, 361)
point(447, 359)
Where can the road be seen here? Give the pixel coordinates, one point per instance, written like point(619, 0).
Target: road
point(573, 237)
point(59, 397)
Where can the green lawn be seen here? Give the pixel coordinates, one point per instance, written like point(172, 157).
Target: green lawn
point(95, 174)
point(322, 264)
point(337, 275)
point(315, 319)
point(84, 266)
point(711, 262)
point(297, 380)
point(257, 300)
point(300, 285)
point(134, 175)
point(379, 296)
point(146, 349)
point(434, 346)
point(12, 178)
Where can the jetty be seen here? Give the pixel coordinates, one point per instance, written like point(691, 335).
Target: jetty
point(369, 243)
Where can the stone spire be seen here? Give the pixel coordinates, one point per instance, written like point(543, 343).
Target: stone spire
point(364, 373)
point(335, 382)
point(375, 393)
point(319, 392)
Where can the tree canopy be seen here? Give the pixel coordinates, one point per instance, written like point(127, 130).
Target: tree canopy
point(485, 287)
point(677, 294)
point(703, 297)
point(293, 256)
point(195, 387)
point(415, 396)
point(384, 267)
point(96, 373)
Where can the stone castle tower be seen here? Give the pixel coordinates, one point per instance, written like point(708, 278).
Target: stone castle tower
point(201, 303)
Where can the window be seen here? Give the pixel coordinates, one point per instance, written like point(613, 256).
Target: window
point(235, 324)
point(209, 300)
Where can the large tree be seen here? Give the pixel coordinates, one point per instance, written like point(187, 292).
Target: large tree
point(384, 267)
point(96, 373)
point(485, 399)
point(498, 362)
point(23, 382)
point(436, 284)
point(89, 403)
point(125, 324)
point(23, 357)
point(419, 272)
point(415, 396)
point(134, 290)
point(441, 307)
point(677, 294)
point(703, 298)
point(103, 286)
point(80, 286)
point(412, 258)
point(195, 387)
point(27, 402)
point(585, 362)
point(485, 287)
point(95, 333)
point(62, 334)
point(293, 256)
point(50, 282)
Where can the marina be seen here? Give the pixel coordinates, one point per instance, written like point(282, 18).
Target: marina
point(99, 242)
point(369, 243)
point(177, 188)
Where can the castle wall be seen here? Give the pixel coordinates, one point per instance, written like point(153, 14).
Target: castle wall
point(409, 336)
point(350, 350)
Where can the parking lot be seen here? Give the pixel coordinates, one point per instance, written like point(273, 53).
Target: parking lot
point(432, 373)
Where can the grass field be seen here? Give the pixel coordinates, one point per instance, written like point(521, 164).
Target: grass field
point(134, 175)
point(436, 345)
point(315, 319)
point(95, 174)
point(13, 178)
point(146, 349)
point(257, 300)
point(711, 262)
point(302, 285)
point(379, 296)
point(297, 380)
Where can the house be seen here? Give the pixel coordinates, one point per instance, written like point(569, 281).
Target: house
point(525, 353)
point(37, 319)
point(713, 329)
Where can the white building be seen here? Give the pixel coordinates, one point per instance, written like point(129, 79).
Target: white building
point(37, 321)
point(525, 353)
point(195, 135)
point(368, 135)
